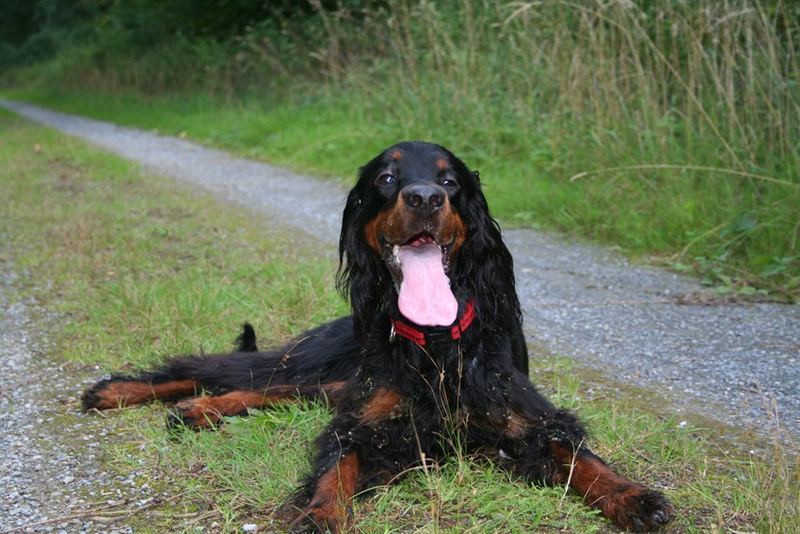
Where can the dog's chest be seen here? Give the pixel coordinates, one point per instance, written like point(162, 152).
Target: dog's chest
point(434, 382)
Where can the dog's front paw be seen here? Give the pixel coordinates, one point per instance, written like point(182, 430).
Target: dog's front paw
point(639, 509)
point(316, 519)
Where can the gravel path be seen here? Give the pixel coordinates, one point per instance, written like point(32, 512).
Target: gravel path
point(52, 474)
point(737, 363)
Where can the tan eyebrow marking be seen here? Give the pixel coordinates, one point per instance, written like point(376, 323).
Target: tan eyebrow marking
point(396, 154)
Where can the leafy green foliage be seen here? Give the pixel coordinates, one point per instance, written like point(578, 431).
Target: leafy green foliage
point(660, 127)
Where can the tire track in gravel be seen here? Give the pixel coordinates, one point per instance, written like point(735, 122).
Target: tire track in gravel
point(738, 363)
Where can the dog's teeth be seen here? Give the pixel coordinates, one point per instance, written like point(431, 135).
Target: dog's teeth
point(396, 250)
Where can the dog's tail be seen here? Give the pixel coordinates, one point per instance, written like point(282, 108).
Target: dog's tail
point(316, 362)
point(246, 341)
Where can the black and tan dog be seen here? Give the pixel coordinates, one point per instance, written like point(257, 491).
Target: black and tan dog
point(432, 351)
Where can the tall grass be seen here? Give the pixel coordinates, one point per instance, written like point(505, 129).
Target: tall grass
point(667, 128)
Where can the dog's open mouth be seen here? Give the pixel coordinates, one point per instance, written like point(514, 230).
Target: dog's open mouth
point(419, 267)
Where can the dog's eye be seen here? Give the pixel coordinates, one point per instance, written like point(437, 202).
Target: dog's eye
point(385, 179)
point(449, 182)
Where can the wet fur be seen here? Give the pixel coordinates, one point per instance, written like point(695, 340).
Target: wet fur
point(397, 403)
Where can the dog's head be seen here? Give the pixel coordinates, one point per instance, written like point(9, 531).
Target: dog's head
point(416, 228)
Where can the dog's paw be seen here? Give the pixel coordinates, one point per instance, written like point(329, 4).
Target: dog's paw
point(105, 394)
point(92, 397)
point(639, 509)
point(316, 519)
point(198, 413)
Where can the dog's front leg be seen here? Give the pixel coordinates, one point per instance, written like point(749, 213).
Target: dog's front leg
point(331, 493)
point(630, 505)
point(548, 446)
point(354, 452)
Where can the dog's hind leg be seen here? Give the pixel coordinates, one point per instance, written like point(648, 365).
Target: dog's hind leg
point(120, 391)
point(307, 366)
point(208, 410)
point(176, 379)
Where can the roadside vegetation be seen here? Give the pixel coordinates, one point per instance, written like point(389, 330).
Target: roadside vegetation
point(667, 129)
point(137, 269)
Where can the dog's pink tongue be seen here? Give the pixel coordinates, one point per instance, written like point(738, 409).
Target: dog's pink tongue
point(425, 295)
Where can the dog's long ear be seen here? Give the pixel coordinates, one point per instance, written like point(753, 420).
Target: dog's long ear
point(362, 276)
point(484, 264)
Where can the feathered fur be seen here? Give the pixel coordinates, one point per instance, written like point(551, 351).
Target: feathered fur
point(398, 403)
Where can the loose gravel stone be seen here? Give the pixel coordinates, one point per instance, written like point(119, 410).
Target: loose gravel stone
point(736, 363)
point(51, 475)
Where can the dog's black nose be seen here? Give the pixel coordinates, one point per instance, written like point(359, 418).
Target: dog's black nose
point(425, 198)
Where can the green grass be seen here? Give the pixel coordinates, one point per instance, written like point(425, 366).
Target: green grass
point(167, 283)
point(673, 217)
point(138, 269)
point(681, 132)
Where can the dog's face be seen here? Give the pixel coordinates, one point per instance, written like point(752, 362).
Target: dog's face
point(408, 200)
point(413, 190)
point(416, 228)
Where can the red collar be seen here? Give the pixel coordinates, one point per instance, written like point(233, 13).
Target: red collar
point(407, 331)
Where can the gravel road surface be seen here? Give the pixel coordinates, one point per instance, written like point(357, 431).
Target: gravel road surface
point(736, 363)
point(52, 474)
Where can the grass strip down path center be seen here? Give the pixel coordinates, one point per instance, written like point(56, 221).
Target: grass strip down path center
point(667, 330)
point(138, 268)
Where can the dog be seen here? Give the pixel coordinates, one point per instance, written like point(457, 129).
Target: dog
point(433, 356)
